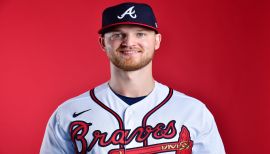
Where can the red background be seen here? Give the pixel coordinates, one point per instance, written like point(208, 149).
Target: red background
point(216, 51)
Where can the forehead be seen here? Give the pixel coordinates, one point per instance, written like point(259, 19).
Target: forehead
point(128, 28)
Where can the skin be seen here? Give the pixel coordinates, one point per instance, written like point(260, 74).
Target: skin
point(131, 49)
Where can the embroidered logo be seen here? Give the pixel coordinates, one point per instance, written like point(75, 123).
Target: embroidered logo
point(129, 12)
point(77, 114)
point(79, 130)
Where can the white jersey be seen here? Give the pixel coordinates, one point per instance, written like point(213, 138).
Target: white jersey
point(99, 122)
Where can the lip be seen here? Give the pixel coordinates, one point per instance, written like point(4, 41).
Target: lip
point(129, 52)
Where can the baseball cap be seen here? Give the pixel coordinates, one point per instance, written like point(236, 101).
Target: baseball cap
point(128, 13)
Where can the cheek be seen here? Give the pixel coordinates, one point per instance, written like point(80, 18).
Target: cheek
point(148, 45)
point(111, 46)
point(108, 48)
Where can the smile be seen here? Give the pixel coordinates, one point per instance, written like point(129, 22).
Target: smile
point(129, 52)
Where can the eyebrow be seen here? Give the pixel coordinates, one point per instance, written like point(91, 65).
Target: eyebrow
point(115, 30)
point(142, 30)
point(118, 30)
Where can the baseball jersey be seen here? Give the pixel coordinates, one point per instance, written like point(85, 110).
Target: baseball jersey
point(99, 122)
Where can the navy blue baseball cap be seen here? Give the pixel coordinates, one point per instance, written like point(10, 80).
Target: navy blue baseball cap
point(128, 14)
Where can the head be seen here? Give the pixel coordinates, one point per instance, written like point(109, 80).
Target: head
point(129, 35)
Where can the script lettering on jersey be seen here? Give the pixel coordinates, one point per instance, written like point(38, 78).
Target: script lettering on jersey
point(79, 130)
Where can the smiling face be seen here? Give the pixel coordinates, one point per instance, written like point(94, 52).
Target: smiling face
point(130, 47)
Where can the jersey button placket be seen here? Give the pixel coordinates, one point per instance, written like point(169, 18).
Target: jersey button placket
point(127, 121)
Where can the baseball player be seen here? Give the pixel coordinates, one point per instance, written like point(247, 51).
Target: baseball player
point(131, 113)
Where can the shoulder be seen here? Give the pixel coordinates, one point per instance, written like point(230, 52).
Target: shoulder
point(181, 98)
point(76, 104)
point(82, 99)
point(186, 99)
point(186, 105)
point(75, 101)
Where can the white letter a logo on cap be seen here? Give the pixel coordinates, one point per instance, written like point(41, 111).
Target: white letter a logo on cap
point(129, 12)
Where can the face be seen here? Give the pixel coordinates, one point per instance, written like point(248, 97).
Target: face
point(130, 47)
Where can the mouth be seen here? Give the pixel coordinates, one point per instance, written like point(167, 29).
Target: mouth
point(130, 52)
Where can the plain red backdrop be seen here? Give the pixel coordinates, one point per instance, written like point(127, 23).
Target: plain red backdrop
point(216, 51)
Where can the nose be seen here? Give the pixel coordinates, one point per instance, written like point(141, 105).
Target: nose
point(129, 40)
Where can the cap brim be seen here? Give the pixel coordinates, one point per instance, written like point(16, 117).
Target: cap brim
point(105, 28)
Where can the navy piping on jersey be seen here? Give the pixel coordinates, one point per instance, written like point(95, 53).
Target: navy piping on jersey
point(120, 122)
point(145, 118)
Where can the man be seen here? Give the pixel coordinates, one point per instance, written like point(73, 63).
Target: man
point(131, 113)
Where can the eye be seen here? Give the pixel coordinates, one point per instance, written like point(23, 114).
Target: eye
point(141, 34)
point(117, 36)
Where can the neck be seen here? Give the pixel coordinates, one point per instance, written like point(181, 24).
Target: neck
point(132, 83)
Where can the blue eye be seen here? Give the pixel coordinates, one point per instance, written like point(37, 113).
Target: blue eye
point(141, 34)
point(117, 36)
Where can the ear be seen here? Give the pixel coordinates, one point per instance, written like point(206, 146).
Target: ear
point(102, 43)
point(157, 41)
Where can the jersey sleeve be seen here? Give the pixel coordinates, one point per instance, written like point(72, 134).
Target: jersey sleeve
point(208, 140)
point(56, 140)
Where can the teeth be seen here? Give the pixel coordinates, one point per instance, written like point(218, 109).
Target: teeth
point(129, 51)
